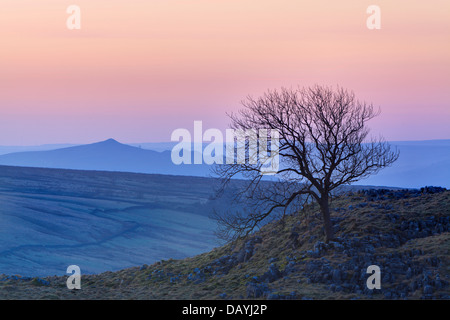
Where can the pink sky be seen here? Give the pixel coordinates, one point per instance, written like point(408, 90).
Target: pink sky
point(137, 70)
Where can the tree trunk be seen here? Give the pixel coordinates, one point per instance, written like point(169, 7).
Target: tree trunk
point(325, 209)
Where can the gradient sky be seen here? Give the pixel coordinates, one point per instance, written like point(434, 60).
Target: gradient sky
point(137, 70)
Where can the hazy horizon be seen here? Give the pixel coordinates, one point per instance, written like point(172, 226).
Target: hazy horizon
point(167, 142)
point(420, 163)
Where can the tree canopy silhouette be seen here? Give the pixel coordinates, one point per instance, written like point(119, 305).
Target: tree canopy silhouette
point(323, 144)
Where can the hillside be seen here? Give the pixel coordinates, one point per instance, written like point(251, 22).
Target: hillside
point(51, 218)
point(101, 220)
point(108, 155)
point(405, 233)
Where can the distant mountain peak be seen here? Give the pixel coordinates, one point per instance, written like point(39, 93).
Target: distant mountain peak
point(110, 140)
point(109, 143)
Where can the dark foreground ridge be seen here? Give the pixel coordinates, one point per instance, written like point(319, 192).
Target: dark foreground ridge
point(404, 232)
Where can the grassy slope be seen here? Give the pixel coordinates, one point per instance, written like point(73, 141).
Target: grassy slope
point(281, 243)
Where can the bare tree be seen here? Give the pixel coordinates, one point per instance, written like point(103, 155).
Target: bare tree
point(323, 144)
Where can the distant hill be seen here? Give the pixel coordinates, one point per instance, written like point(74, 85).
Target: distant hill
point(44, 147)
point(421, 163)
point(155, 146)
point(108, 155)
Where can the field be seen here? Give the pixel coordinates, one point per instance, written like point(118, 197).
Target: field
point(50, 219)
